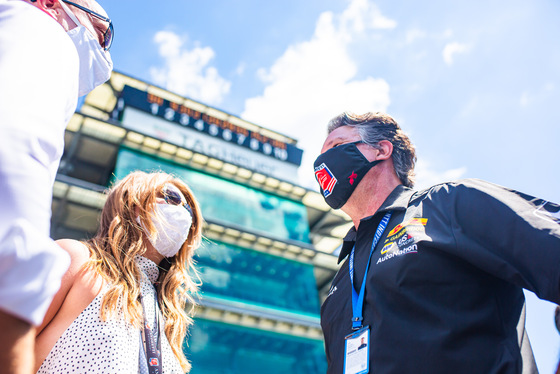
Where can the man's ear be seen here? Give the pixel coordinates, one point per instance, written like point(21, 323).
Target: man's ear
point(55, 10)
point(385, 150)
point(48, 6)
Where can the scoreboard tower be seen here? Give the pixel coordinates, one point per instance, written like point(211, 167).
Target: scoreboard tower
point(270, 245)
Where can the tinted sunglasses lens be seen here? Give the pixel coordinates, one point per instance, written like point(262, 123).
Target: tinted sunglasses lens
point(108, 37)
point(172, 195)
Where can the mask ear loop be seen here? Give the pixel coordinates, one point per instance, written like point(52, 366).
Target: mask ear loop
point(372, 163)
point(70, 13)
point(78, 24)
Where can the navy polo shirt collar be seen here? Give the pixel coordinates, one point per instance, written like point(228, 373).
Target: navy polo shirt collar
point(398, 199)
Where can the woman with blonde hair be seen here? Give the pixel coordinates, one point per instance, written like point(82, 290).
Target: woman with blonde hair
point(121, 306)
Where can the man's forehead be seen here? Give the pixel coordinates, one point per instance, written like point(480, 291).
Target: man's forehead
point(92, 5)
point(342, 133)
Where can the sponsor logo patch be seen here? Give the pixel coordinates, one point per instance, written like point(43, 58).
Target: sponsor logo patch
point(154, 361)
point(403, 239)
point(326, 179)
point(412, 222)
point(387, 247)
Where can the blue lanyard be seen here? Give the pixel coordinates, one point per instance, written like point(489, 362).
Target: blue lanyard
point(358, 300)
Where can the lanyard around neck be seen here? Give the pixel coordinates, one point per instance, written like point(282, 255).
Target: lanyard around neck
point(153, 340)
point(358, 299)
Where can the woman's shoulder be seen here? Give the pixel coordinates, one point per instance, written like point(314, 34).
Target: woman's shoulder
point(74, 247)
point(79, 254)
point(78, 274)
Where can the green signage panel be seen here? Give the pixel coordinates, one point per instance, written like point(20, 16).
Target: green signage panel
point(218, 348)
point(226, 201)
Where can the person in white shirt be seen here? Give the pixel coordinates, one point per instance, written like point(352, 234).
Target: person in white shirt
point(51, 51)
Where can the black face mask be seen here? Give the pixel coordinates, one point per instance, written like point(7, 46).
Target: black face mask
point(339, 171)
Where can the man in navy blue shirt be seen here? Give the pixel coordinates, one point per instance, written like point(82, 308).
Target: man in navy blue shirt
point(433, 279)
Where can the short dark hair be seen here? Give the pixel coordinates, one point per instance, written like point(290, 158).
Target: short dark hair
point(375, 127)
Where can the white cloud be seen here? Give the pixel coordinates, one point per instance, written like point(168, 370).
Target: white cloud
point(187, 72)
point(361, 15)
point(452, 49)
point(414, 35)
point(426, 176)
point(448, 33)
point(314, 81)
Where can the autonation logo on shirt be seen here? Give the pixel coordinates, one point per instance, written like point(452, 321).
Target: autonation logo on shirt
point(402, 239)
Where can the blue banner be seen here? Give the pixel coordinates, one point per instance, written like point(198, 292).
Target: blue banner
point(197, 121)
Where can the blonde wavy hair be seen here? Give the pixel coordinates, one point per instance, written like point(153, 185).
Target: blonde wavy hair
point(120, 239)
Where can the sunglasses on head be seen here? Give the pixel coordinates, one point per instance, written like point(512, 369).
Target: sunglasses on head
point(108, 34)
point(173, 196)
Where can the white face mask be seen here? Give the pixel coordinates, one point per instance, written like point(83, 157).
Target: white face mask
point(95, 63)
point(172, 224)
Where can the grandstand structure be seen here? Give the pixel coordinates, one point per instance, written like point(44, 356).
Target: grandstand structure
point(270, 245)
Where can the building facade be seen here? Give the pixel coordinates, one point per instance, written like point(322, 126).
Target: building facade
point(267, 258)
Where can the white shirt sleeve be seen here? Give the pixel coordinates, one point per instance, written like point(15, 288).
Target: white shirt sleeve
point(38, 95)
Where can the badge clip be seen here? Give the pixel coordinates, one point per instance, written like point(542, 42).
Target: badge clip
point(357, 323)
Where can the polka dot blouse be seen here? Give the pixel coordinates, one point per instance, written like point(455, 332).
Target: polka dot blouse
point(90, 345)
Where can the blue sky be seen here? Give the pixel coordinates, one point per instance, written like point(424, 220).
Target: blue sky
point(475, 84)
